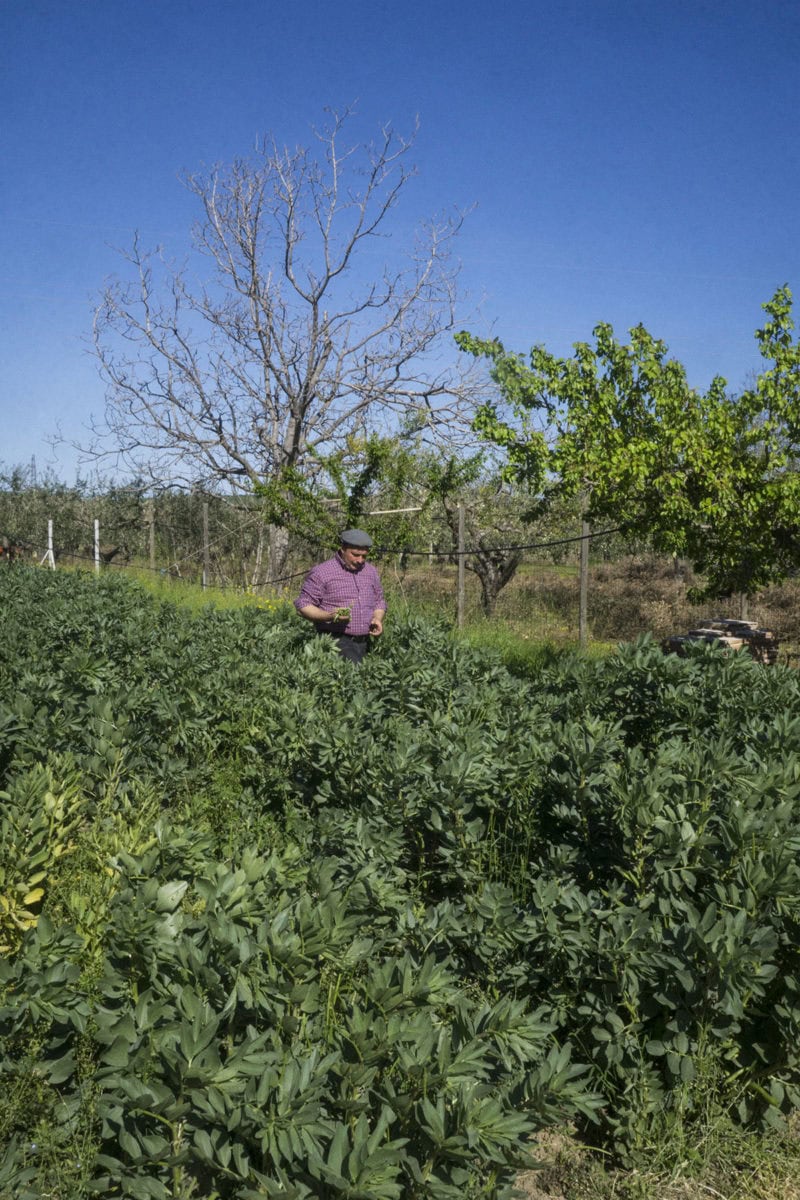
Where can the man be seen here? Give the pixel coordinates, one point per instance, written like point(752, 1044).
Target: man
point(343, 597)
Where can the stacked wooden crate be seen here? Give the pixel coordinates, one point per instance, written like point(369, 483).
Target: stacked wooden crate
point(729, 634)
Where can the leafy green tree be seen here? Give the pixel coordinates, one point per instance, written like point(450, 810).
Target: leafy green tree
point(367, 473)
point(711, 476)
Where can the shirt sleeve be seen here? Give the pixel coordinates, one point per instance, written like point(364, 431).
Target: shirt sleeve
point(380, 599)
point(311, 591)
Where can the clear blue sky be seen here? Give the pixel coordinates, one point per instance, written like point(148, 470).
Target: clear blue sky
point(628, 161)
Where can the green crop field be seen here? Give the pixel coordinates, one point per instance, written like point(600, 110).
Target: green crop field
point(273, 925)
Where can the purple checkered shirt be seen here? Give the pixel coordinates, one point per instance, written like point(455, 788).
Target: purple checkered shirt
point(330, 585)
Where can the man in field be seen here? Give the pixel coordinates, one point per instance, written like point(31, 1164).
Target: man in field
point(343, 597)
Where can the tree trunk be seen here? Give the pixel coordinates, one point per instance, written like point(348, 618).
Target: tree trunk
point(278, 552)
point(494, 566)
point(256, 579)
point(494, 570)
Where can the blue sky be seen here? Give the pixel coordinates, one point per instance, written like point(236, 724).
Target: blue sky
point(623, 162)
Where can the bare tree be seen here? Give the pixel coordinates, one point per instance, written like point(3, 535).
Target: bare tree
point(301, 334)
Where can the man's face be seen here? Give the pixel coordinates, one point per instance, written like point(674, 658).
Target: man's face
point(353, 556)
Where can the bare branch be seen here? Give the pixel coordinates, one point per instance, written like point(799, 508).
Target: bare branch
point(298, 331)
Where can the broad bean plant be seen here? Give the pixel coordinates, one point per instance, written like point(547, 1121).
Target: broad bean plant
point(277, 925)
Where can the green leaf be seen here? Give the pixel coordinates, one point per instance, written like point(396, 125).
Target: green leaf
point(62, 1068)
point(203, 1143)
point(169, 895)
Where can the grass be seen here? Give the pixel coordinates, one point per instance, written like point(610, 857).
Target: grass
point(195, 598)
point(523, 653)
point(633, 595)
point(728, 1164)
point(520, 650)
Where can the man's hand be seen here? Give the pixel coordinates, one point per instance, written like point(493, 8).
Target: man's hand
point(312, 612)
point(376, 626)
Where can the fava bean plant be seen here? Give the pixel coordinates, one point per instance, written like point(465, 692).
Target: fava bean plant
point(277, 925)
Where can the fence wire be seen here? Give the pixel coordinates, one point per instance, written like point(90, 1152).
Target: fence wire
point(645, 594)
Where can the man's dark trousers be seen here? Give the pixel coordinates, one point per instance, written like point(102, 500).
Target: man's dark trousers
point(352, 646)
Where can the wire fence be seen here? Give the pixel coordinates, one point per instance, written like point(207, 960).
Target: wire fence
point(629, 591)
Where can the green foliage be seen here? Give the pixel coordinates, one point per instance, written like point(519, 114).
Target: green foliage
point(38, 820)
point(290, 502)
point(329, 930)
point(364, 472)
point(269, 1027)
point(709, 476)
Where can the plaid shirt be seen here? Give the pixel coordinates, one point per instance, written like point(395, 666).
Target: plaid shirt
point(330, 585)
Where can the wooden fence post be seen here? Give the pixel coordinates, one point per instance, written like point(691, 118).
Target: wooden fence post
point(151, 521)
point(461, 591)
point(583, 602)
point(206, 555)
